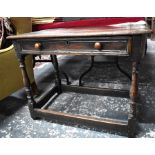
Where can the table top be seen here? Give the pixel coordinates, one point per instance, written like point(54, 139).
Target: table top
point(83, 32)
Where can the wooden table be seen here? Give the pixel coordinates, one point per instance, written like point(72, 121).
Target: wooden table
point(91, 41)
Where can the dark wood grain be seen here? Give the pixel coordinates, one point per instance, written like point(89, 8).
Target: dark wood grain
point(96, 91)
point(83, 32)
point(111, 41)
point(109, 46)
point(68, 118)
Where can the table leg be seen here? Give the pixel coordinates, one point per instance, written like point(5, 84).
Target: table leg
point(26, 81)
point(133, 98)
point(57, 74)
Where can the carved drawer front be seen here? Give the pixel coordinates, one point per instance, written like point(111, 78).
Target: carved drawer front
point(77, 47)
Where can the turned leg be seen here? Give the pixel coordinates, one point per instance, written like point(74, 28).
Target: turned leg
point(57, 74)
point(27, 85)
point(133, 98)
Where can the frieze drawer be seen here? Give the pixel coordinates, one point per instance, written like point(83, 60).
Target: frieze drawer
point(90, 47)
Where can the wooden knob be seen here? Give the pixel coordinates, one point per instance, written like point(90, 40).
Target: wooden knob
point(98, 45)
point(37, 45)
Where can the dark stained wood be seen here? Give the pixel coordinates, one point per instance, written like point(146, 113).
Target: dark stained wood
point(31, 102)
point(133, 98)
point(57, 74)
point(83, 32)
point(96, 91)
point(110, 46)
point(129, 46)
point(104, 123)
point(134, 83)
point(45, 96)
point(111, 41)
point(79, 52)
point(105, 120)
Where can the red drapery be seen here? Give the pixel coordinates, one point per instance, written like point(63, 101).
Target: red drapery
point(87, 22)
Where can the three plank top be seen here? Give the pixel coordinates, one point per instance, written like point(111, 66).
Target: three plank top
point(82, 32)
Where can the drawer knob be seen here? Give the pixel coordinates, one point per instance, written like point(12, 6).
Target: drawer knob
point(37, 45)
point(98, 45)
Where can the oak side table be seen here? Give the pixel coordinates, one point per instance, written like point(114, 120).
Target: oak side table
point(90, 41)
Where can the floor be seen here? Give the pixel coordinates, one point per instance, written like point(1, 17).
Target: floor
point(15, 120)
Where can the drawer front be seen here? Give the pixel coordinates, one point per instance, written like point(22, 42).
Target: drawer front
point(102, 45)
point(43, 45)
point(79, 47)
